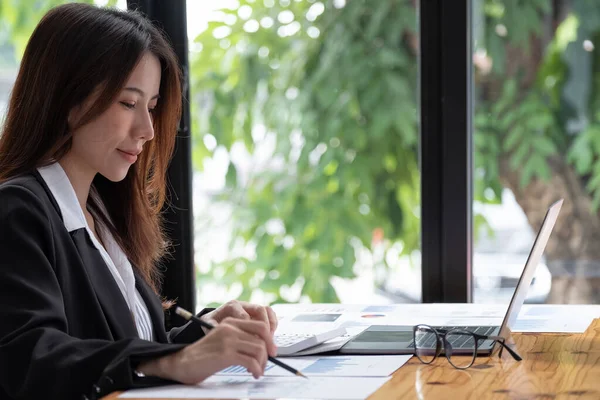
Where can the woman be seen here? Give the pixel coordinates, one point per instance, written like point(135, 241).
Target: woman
point(89, 131)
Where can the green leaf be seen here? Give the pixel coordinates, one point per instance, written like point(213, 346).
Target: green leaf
point(518, 157)
point(231, 176)
point(510, 117)
point(514, 138)
point(330, 168)
point(398, 84)
point(380, 12)
point(581, 153)
point(391, 57)
point(540, 121)
point(536, 166)
point(508, 96)
point(544, 146)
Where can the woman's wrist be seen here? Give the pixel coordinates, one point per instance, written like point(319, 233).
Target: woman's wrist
point(162, 367)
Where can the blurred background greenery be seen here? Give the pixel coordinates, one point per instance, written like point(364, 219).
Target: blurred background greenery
point(336, 83)
point(313, 106)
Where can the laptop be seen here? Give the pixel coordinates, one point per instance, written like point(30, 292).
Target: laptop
point(398, 339)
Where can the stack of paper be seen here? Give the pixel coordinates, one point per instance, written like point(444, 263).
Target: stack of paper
point(234, 387)
point(338, 377)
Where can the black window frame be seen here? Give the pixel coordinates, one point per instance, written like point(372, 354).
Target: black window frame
point(445, 154)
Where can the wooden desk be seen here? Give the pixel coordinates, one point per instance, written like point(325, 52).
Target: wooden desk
point(554, 367)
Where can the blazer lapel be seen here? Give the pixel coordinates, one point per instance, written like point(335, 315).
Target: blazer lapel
point(107, 291)
point(154, 307)
point(109, 295)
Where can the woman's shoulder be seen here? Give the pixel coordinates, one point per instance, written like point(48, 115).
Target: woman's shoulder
point(22, 190)
point(23, 180)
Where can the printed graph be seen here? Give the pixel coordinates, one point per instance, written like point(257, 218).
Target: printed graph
point(238, 369)
point(328, 365)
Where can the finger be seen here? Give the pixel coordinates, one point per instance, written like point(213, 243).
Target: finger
point(250, 363)
point(211, 321)
point(257, 312)
point(235, 309)
point(254, 348)
point(236, 342)
point(251, 327)
point(272, 319)
point(256, 328)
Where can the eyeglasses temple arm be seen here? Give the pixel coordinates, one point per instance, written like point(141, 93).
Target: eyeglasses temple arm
point(500, 340)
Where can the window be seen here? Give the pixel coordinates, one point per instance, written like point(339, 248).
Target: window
point(305, 126)
point(536, 139)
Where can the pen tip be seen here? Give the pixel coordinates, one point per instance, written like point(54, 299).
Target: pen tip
point(301, 374)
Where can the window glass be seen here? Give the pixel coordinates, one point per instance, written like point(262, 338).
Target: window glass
point(305, 124)
point(536, 75)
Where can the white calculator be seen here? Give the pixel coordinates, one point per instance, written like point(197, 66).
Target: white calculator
point(289, 343)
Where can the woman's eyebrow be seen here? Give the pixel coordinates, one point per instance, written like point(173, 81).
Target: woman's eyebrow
point(140, 92)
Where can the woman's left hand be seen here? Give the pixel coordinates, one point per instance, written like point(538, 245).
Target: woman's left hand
point(243, 310)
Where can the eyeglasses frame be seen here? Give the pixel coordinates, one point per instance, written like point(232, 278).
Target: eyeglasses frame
point(441, 339)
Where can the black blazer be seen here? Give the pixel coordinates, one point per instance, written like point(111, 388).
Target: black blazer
point(65, 329)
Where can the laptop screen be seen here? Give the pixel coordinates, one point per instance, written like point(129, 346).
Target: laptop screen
point(530, 266)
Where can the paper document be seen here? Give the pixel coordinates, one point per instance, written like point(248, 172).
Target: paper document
point(236, 387)
point(550, 326)
point(556, 318)
point(361, 366)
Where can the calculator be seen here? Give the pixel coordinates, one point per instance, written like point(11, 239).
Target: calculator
point(289, 343)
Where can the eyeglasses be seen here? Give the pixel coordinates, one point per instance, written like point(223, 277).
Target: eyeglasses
point(460, 346)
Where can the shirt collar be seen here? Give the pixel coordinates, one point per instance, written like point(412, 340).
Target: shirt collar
point(64, 194)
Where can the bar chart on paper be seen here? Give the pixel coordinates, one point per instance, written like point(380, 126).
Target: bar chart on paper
point(354, 365)
point(330, 365)
point(244, 387)
point(238, 369)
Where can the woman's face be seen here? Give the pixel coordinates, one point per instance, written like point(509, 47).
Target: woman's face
point(109, 145)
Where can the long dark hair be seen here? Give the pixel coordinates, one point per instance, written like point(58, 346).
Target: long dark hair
point(74, 50)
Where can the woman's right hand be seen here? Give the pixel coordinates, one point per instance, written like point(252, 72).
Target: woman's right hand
point(232, 342)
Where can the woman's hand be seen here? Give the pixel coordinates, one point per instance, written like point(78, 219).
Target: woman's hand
point(245, 311)
point(232, 342)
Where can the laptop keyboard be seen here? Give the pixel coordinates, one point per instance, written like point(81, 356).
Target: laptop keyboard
point(458, 341)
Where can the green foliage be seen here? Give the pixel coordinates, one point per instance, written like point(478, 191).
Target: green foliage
point(352, 104)
point(18, 18)
point(531, 123)
point(518, 123)
point(526, 133)
point(584, 155)
point(511, 22)
point(343, 111)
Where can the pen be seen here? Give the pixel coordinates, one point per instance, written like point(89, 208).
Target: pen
point(189, 316)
